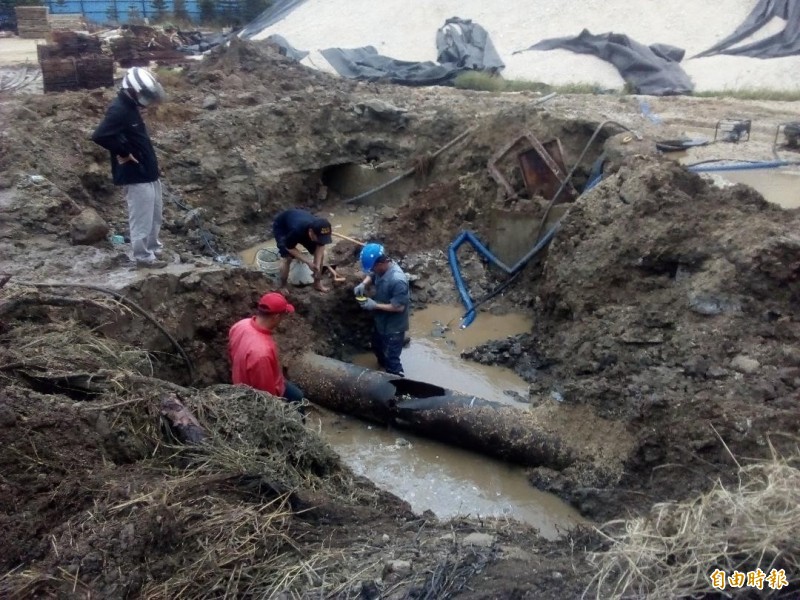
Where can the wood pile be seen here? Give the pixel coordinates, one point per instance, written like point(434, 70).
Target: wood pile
point(139, 45)
point(67, 22)
point(71, 43)
point(74, 62)
point(59, 74)
point(32, 22)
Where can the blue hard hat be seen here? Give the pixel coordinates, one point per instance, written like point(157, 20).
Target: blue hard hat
point(370, 254)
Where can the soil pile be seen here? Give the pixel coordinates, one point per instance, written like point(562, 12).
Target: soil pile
point(669, 303)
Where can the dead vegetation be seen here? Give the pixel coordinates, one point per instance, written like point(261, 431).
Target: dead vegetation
point(254, 510)
point(672, 551)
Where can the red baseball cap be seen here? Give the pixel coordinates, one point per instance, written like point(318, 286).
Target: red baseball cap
point(274, 303)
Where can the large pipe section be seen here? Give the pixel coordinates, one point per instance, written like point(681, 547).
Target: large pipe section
point(445, 415)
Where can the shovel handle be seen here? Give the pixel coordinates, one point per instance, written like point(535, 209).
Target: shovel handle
point(349, 239)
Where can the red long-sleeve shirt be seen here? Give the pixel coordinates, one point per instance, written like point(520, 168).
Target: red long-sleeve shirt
point(254, 357)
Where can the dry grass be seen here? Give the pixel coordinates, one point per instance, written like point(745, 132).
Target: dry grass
point(672, 552)
point(69, 347)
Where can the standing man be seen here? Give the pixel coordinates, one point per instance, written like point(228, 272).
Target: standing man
point(389, 305)
point(295, 226)
point(133, 161)
point(254, 353)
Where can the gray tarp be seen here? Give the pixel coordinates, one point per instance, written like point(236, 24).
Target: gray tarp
point(784, 43)
point(367, 65)
point(277, 10)
point(286, 48)
point(654, 70)
point(461, 45)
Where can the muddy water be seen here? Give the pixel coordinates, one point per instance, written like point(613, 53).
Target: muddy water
point(434, 476)
point(776, 185)
point(434, 353)
point(448, 481)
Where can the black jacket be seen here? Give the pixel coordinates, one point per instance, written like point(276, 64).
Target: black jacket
point(123, 132)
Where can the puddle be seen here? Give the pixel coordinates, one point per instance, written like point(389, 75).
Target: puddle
point(437, 477)
point(779, 186)
point(434, 355)
point(446, 480)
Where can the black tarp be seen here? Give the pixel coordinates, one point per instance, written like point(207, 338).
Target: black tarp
point(653, 70)
point(461, 45)
point(277, 10)
point(784, 43)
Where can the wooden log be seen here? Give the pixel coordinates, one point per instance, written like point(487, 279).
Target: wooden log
point(474, 423)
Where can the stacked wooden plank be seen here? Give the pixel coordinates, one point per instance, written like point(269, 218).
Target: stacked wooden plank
point(32, 22)
point(59, 74)
point(74, 61)
point(67, 22)
point(95, 71)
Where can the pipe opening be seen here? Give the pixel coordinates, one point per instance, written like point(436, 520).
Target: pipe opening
point(417, 389)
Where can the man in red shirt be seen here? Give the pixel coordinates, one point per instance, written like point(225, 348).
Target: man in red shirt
point(254, 353)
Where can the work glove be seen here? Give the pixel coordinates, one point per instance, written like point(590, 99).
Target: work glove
point(360, 289)
point(369, 304)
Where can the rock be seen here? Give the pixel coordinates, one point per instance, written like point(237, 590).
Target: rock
point(210, 102)
point(7, 417)
point(710, 305)
point(515, 395)
point(696, 366)
point(791, 354)
point(716, 373)
point(87, 228)
point(250, 98)
point(789, 376)
point(382, 111)
point(745, 364)
point(481, 540)
point(401, 568)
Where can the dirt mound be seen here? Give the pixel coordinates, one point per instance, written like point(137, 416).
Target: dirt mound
point(669, 303)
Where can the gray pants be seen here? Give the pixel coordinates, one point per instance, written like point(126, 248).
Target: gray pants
point(144, 218)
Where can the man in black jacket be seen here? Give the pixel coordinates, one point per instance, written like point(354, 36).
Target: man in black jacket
point(295, 226)
point(133, 161)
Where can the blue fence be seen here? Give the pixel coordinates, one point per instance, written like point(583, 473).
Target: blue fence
point(121, 11)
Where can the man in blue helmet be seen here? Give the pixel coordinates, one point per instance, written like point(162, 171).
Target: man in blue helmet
point(389, 305)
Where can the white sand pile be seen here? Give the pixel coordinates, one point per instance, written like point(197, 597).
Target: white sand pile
point(406, 30)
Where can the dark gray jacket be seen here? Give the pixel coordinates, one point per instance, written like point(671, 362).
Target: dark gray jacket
point(122, 132)
point(391, 288)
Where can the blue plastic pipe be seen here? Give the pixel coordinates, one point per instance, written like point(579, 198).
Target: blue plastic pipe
point(468, 236)
point(742, 166)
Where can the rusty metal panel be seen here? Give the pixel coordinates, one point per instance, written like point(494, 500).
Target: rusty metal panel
point(542, 166)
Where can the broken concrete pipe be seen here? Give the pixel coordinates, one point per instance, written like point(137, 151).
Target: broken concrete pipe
point(445, 415)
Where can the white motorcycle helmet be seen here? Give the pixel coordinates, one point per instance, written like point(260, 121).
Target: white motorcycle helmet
point(143, 86)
